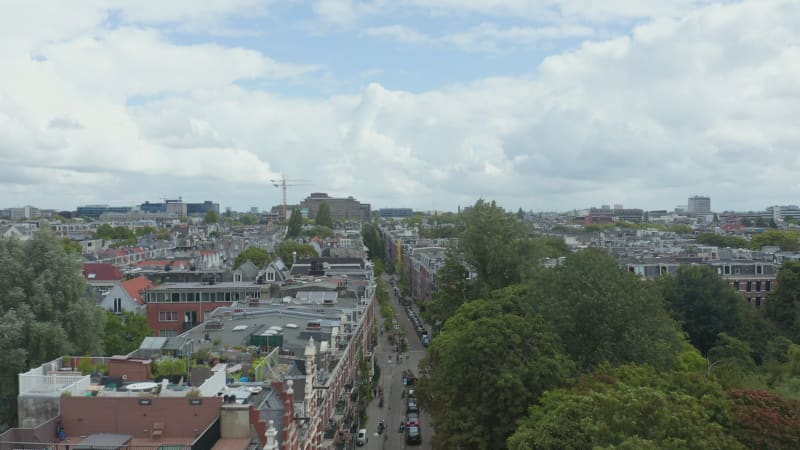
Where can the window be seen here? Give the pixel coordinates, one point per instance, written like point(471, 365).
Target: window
point(758, 302)
point(271, 275)
point(759, 269)
point(117, 305)
point(758, 286)
point(736, 285)
point(167, 316)
point(168, 333)
point(727, 270)
point(204, 296)
point(190, 297)
point(769, 286)
point(176, 297)
point(749, 286)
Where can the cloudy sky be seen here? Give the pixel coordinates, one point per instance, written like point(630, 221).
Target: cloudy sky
point(430, 104)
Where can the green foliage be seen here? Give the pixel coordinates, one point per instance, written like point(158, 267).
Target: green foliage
point(783, 304)
point(721, 241)
point(318, 230)
point(373, 240)
point(295, 225)
point(71, 246)
point(490, 362)
point(324, 216)
point(706, 305)
point(286, 248)
point(603, 313)
point(634, 407)
point(730, 361)
point(490, 244)
point(786, 240)
point(44, 311)
point(247, 219)
point(124, 333)
point(211, 217)
point(453, 290)
point(259, 256)
point(764, 420)
point(107, 232)
point(169, 367)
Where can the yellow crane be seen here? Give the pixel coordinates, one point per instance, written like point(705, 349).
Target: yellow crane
point(283, 183)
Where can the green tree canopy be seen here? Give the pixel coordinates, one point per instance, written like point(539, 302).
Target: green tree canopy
point(324, 216)
point(45, 311)
point(783, 304)
point(123, 334)
point(487, 366)
point(633, 408)
point(211, 216)
point(706, 305)
point(604, 313)
point(259, 256)
point(286, 248)
point(721, 241)
point(786, 240)
point(453, 289)
point(295, 226)
point(373, 240)
point(107, 232)
point(490, 244)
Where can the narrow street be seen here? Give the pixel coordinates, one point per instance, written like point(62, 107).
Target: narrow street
point(393, 411)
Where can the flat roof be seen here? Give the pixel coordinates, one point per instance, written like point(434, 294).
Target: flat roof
point(195, 285)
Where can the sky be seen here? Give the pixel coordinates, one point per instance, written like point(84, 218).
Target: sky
point(430, 104)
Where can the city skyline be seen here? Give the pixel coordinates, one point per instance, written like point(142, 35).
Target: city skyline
point(538, 104)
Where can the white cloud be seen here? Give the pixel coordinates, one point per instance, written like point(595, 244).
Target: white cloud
point(399, 33)
point(701, 103)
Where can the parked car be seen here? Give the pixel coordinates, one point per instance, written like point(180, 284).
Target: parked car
point(412, 420)
point(362, 438)
point(413, 436)
point(411, 406)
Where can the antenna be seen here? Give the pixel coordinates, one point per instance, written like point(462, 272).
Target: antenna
point(283, 183)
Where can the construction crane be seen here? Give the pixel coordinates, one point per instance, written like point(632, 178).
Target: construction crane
point(283, 183)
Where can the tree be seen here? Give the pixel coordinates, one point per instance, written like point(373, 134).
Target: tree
point(248, 219)
point(211, 216)
point(496, 345)
point(257, 255)
point(45, 311)
point(490, 245)
point(604, 313)
point(783, 304)
point(763, 419)
point(631, 407)
point(373, 240)
point(324, 216)
point(453, 289)
point(786, 240)
point(706, 305)
point(295, 225)
point(71, 246)
point(123, 334)
point(287, 250)
point(721, 241)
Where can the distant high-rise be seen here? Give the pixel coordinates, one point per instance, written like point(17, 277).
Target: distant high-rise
point(699, 206)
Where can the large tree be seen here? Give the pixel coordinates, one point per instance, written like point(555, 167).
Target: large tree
point(287, 250)
point(257, 255)
point(372, 240)
point(783, 305)
point(604, 313)
point(490, 244)
point(630, 408)
point(491, 361)
point(45, 311)
point(211, 216)
point(453, 289)
point(324, 216)
point(123, 334)
point(765, 420)
point(295, 226)
point(707, 305)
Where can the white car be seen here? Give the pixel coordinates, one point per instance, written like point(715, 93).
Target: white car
point(362, 439)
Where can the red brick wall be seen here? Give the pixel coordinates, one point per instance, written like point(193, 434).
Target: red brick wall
point(130, 370)
point(153, 310)
point(82, 416)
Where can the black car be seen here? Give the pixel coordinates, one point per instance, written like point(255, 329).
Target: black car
point(412, 406)
point(413, 436)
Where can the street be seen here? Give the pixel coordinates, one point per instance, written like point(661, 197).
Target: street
point(393, 411)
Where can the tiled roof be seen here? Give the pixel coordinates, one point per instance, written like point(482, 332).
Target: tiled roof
point(102, 272)
point(135, 286)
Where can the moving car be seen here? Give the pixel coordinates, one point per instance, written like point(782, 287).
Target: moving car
point(413, 436)
point(362, 439)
